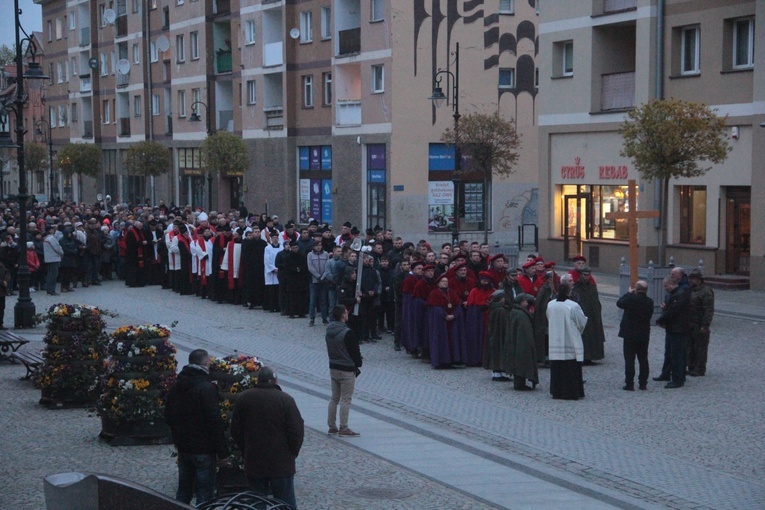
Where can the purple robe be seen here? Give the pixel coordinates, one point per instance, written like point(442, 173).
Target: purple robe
point(474, 334)
point(443, 352)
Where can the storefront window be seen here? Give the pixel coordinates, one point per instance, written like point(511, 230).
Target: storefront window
point(315, 183)
point(606, 199)
point(693, 214)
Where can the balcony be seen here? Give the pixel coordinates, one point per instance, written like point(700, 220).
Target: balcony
point(349, 41)
point(124, 126)
point(348, 112)
point(121, 26)
point(272, 54)
point(85, 36)
point(221, 7)
point(167, 71)
point(169, 125)
point(274, 117)
point(86, 85)
point(123, 80)
point(618, 5)
point(222, 61)
point(87, 129)
point(226, 120)
point(617, 91)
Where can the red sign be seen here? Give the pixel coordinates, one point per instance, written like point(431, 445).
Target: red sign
point(575, 171)
point(613, 172)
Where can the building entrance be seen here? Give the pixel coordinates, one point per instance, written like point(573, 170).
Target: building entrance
point(737, 228)
point(577, 223)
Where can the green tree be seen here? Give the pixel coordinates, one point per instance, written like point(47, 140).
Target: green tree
point(672, 138)
point(148, 158)
point(7, 56)
point(224, 152)
point(35, 157)
point(80, 158)
point(493, 143)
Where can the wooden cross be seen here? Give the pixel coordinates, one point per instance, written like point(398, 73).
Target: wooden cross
point(632, 223)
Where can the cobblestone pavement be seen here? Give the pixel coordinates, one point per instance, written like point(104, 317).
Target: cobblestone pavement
point(698, 447)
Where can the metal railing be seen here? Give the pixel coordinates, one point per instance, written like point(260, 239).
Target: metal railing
point(349, 41)
point(617, 91)
point(124, 124)
point(84, 36)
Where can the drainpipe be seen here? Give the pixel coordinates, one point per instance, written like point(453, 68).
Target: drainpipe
point(149, 102)
point(659, 94)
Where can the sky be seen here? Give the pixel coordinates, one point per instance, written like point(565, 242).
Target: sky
point(31, 20)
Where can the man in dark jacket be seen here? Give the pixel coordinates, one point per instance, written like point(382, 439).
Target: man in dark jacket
point(193, 414)
point(635, 329)
point(674, 319)
point(267, 426)
point(344, 363)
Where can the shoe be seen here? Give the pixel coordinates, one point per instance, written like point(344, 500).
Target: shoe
point(332, 430)
point(500, 378)
point(661, 378)
point(643, 387)
point(325, 322)
point(396, 348)
point(312, 323)
point(53, 293)
point(628, 387)
point(31, 289)
point(673, 385)
point(96, 283)
point(377, 337)
point(693, 373)
point(348, 433)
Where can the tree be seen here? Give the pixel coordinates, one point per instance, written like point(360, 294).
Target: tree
point(224, 152)
point(670, 138)
point(80, 158)
point(7, 56)
point(35, 158)
point(493, 144)
point(148, 158)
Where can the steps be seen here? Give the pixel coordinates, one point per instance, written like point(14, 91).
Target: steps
point(728, 282)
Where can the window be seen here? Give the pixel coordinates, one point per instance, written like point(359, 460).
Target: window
point(376, 184)
point(196, 95)
point(308, 91)
point(606, 199)
point(51, 74)
point(690, 50)
point(53, 116)
point(137, 108)
point(101, 11)
point(59, 29)
point(181, 103)
point(136, 5)
point(62, 115)
point(568, 58)
point(59, 72)
point(154, 52)
point(74, 66)
point(136, 54)
point(249, 31)
point(72, 21)
point(251, 92)
point(104, 64)
point(506, 7)
point(743, 43)
point(326, 23)
point(377, 10)
point(327, 80)
point(315, 183)
point(75, 113)
point(50, 30)
point(105, 112)
point(693, 214)
point(114, 62)
point(507, 78)
point(180, 49)
point(536, 8)
point(154, 104)
point(378, 79)
point(306, 32)
point(536, 77)
point(66, 71)
point(194, 45)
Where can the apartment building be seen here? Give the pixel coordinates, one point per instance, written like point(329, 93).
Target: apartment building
point(338, 130)
point(599, 59)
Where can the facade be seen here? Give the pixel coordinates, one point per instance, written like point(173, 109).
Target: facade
point(600, 58)
point(338, 130)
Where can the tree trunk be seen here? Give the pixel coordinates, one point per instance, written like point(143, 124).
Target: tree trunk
point(664, 221)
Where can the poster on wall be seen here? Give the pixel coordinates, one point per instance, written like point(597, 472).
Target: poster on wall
point(326, 157)
point(440, 206)
point(326, 201)
point(315, 161)
point(316, 199)
point(305, 200)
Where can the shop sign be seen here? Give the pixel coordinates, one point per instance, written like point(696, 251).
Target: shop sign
point(575, 171)
point(613, 172)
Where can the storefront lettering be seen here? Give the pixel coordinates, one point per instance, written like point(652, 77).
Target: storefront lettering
point(613, 172)
point(575, 171)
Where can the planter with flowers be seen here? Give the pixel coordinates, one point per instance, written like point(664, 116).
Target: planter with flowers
point(75, 350)
point(140, 370)
point(233, 374)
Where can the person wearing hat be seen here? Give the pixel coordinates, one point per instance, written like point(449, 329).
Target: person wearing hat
point(675, 317)
point(409, 319)
point(345, 234)
point(635, 329)
point(476, 320)
point(566, 323)
point(267, 426)
point(594, 337)
point(271, 273)
point(546, 293)
point(580, 262)
point(702, 312)
point(526, 279)
point(519, 355)
point(446, 344)
point(277, 225)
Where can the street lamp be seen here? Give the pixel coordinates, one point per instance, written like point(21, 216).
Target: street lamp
point(195, 117)
point(439, 99)
point(24, 310)
point(38, 131)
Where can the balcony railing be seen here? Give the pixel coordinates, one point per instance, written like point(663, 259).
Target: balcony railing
point(274, 117)
point(226, 120)
point(124, 126)
point(123, 80)
point(221, 7)
point(348, 112)
point(617, 91)
point(86, 85)
point(167, 71)
point(223, 61)
point(272, 54)
point(618, 5)
point(349, 41)
point(84, 36)
point(87, 129)
point(169, 125)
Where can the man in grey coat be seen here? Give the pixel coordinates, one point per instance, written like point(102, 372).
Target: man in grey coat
point(53, 252)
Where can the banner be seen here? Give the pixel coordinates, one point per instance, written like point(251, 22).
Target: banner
point(440, 206)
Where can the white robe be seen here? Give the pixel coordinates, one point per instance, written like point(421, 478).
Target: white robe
point(269, 262)
point(173, 253)
point(201, 253)
point(566, 322)
point(237, 258)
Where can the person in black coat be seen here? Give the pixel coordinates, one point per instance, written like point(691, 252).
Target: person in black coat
point(675, 317)
point(296, 279)
point(193, 414)
point(635, 329)
point(253, 274)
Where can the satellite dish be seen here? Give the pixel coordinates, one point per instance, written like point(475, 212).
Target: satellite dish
point(110, 16)
point(163, 43)
point(295, 33)
point(93, 63)
point(99, 197)
point(123, 66)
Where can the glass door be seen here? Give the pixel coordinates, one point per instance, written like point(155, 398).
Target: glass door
point(738, 230)
point(576, 223)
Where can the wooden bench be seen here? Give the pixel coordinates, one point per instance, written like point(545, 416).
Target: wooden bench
point(31, 360)
point(9, 344)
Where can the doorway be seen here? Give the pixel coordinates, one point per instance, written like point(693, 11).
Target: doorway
point(737, 230)
point(576, 223)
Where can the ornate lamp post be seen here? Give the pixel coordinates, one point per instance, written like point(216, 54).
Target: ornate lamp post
point(24, 310)
point(195, 117)
point(439, 99)
point(49, 134)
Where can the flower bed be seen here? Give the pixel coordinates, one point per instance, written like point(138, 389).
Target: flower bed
point(73, 357)
point(139, 373)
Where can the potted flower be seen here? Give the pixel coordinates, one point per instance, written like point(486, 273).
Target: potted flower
point(140, 370)
point(75, 349)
